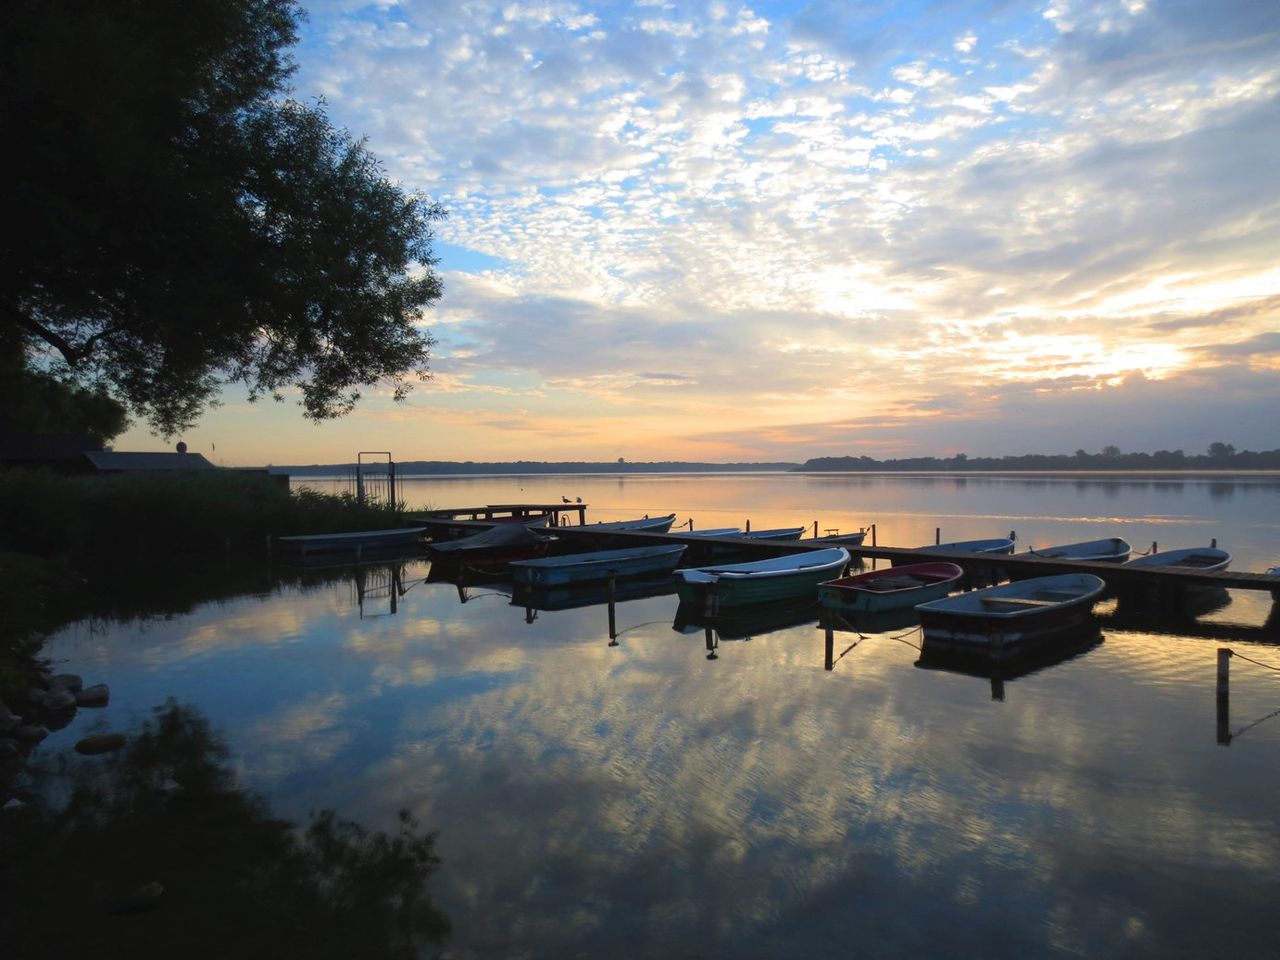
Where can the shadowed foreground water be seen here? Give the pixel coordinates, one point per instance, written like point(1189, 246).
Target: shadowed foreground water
point(642, 800)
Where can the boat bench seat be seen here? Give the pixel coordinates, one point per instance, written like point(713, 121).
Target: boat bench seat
point(893, 583)
point(1017, 602)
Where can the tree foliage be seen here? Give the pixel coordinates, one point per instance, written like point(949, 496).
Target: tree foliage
point(174, 221)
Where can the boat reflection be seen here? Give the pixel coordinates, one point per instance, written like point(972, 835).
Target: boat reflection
point(743, 623)
point(576, 596)
point(998, 672)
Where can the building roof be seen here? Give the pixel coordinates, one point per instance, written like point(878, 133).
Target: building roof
point(163, 460)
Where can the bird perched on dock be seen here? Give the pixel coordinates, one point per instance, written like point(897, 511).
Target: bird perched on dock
point(566, 500)
point(577, 499)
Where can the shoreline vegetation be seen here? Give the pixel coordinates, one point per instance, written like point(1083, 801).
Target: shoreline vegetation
point(72, 546)
point(1220, 457)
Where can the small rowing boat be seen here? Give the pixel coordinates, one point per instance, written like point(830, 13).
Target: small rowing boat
point(1110, 550)
point(597, 565)
point(999, 621)
point(795, 576)
point(779, 533)
point(646, 524)
point(892, 588)
point(1190, 558)
point(354, 542)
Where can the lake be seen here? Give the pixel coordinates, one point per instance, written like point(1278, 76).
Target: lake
point(642, 799)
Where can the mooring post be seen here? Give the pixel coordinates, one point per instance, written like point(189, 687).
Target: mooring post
point(828, 659)
point(1214, 543)
point(748, 525)
point(711, 644)
point(1224, 701)
point(873, 534)
point(613, 633)
point(997, 688)
point(937, 536)
point(815, 529)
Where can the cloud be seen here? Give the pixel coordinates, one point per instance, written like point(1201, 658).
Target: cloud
point(753, 207)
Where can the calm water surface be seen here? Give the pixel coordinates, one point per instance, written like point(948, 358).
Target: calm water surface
point(642, 800)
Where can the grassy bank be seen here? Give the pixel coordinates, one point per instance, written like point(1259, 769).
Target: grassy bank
point(160, 514)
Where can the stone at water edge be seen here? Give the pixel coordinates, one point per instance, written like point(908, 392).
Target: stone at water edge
point(30, 733)
point(59, 699)
point(100, 743)
point(95, 696)
point(67, 681)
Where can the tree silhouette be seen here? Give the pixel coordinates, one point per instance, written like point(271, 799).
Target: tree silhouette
point(162, 830)
point(173, 222)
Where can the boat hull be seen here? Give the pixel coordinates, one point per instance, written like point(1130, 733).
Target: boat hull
point(745, 584)
point(597, 566)
point(1008, 620)
point(894, 589)
point(355, 542)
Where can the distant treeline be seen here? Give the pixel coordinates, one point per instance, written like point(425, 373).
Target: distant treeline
point(416, 467)
point(1219, 457)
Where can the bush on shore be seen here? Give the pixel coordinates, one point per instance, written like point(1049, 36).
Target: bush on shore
point(137, 514)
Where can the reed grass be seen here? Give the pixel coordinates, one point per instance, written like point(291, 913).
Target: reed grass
point(130, 515)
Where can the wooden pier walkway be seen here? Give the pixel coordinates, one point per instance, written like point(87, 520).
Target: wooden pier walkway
point(1115, 574)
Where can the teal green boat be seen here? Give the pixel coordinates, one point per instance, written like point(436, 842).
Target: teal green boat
point(794, 576)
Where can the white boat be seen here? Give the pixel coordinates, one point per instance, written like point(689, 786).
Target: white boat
point(1190, 558)
point(1000, 621)
point(842, 539)
point(994, 545)
point(715, 532)
point(796, 575)
point(597, 565)
point(997, 545)
point(778, 533)
point(646, 524)
point(1109, 550)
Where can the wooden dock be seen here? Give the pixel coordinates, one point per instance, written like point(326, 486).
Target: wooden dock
point(1116, 575)
point(506, 512)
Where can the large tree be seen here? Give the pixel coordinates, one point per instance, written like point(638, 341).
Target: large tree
point(173, 221)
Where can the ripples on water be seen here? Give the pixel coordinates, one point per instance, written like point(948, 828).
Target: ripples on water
point(643, 800)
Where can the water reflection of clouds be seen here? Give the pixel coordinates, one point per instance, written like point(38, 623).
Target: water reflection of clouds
point(759, 798)
point(300, 735)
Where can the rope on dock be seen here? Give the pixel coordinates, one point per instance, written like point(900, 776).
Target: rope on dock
point(1251, 660)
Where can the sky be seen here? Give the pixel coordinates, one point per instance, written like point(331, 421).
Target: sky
point(736, 232)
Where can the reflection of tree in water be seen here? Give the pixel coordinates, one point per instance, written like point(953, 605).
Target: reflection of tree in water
point(166, 814)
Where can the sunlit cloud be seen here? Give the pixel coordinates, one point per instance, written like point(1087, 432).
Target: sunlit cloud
point(665, 213)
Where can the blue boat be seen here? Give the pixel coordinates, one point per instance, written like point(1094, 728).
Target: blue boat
point(597, 565)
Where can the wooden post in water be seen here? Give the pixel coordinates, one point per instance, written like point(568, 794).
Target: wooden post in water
point(613, 632)
point(937, 536)
point(748, 525)
point(828, 659)
point(711, 644)
point(1224, 692)
point(815, 529)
